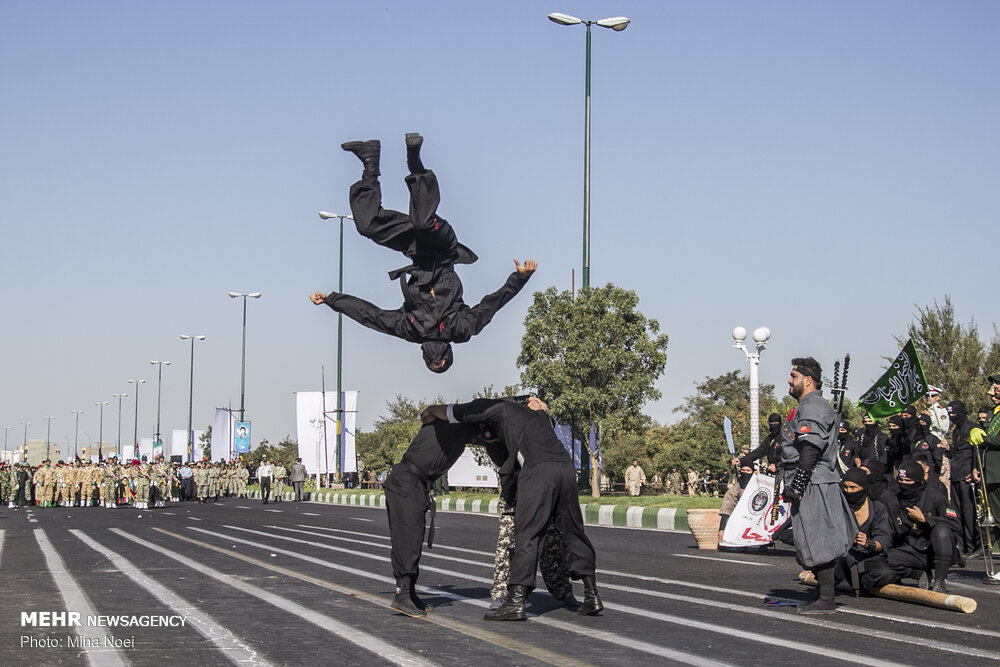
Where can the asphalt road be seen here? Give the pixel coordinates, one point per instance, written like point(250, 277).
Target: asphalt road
point(293, 584)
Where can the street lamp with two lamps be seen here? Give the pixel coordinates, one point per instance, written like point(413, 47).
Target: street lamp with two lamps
point(616, 23)
point(326, 215)
point(159, 385)
point(760, 335)
point(100, 432)
point(243, 365)
point(190, 437)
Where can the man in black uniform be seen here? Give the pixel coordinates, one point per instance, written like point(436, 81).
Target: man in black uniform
point(963, 494)
point(433, 312)
point(871, 441)
point(923, 525)
point(432, 452)
point(770, 449)
point(545, 480)
point(847, 454)
point(823, 524)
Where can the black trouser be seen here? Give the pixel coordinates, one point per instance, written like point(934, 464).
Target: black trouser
point(963, 498)
point(186, 490)
point(265, 488)
point(420, 232)
point(406, 502)
point(549, 490)
point(872, 572)
point(938, 556)
point(298, 490)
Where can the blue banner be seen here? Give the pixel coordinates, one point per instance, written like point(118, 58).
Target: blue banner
point(242, 437)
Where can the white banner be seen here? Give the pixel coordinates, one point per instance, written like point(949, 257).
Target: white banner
point(178, 444)
point(146, 449)
point(318, 445)
point(223, 429)
point(750, 523)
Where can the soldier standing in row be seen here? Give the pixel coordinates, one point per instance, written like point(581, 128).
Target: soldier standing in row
point(201, 481)
point(242, 475)
point(279, 481)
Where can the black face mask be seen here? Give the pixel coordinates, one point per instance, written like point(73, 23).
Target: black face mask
point(744, 479)
point(774, 428)
point(909, 494)
point(842, 436)
point(855, 498)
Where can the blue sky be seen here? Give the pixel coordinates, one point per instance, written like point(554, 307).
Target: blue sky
point(817, 168)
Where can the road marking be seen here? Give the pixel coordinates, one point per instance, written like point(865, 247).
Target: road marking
point(194, 518)
point(170, 513)
point(77, 600)
point(273, 510)
point(725, 560)
point(506, 642)
point(310, 514)
point(231, 647)
point(242, 507)
point(357, 518)
point(364, 640)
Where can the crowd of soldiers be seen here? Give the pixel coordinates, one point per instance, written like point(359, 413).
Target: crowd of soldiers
point(136, 483)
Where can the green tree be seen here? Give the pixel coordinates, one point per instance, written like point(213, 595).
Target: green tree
point(952, 354)
point(594, 359)
point(206, 444)
point(384, 446)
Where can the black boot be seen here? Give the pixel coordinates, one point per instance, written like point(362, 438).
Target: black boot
point(824, 604)
point(941, 566)
point(402, 602)
point(414, 598)
point(368, 152)
point(413, 143)
point(592, 604)
point(512, 608)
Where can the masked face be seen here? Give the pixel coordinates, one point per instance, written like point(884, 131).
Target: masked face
point(854, 494)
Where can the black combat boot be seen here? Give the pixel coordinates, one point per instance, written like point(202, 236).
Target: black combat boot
point(368, 152)
point(512, 608)
point(592, 604)
point(413, 143)
point(402, 602)
point(414, 598)
point(824, 604)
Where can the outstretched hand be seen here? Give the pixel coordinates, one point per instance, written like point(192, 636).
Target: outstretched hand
point(317, 298)
point(527, 268)
point(432, 412)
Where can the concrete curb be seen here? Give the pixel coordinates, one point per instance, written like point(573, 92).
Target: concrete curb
point(651, 518)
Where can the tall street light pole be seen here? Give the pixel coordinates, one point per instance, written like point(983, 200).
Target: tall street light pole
point(617, 23)
point(25, 450)
point(135, 435)
point(48, 432)
point(190, 438)
point(76, 438)
point(760, 336)
point(6, 430)
point(118, 442)
point(159, 385)
point(100, 432)
point(243, 365)
point(326, 215)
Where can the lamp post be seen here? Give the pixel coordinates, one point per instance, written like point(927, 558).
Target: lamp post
point(760, 336)
point(135, 435)
point(340, 347)
point(190, 438)
point(25, 445)
point(159, 385)
point(243, 365)
point(617, 23)
point(100, 432)
point(118, 442)
point(6, 430)
point(76, 438)
point(48, 432)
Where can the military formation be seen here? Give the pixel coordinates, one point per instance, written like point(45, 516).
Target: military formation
point(112, 483)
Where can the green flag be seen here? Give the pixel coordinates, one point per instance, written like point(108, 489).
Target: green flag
point(899, 386)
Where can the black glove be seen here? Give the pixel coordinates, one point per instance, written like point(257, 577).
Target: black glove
point(794, 491)
point(808, 457)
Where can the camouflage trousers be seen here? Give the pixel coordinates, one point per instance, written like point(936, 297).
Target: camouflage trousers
point(551, 557)
point(279, 490)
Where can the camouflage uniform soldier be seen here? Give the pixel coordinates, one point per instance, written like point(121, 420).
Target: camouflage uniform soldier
point(109, 488)
point(201, 481)
point(64, 484)
point(46, 491)
point(6, 485)
point(279, 481)
point(85, 477)
point(213, 481)
point(161, 479)
point(242, 475)
point(230, 479)
point(98, 473)
point(175, 483)
point(551, 561)
point(142, 479)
